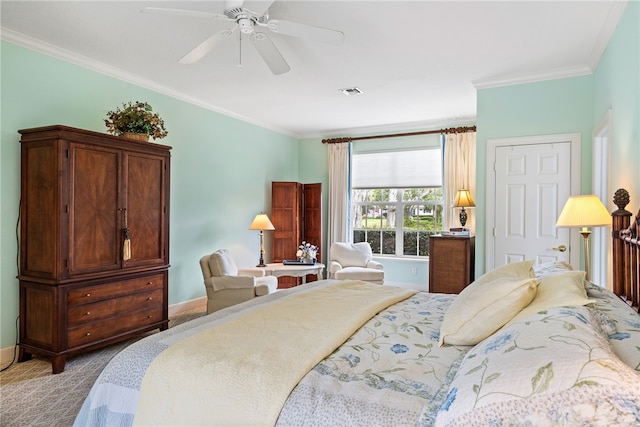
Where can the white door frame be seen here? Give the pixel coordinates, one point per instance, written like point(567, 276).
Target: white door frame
point(601, 271)
point(575, 140)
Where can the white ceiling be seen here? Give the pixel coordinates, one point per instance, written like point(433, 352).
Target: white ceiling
point(419, 63)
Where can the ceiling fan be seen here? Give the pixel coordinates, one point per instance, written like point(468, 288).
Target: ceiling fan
point(250, 22)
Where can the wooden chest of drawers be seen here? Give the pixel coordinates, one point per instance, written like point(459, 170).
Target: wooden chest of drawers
point(451, 263)
point(98, 312)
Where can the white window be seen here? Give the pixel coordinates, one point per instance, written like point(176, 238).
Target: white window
point(397, 200)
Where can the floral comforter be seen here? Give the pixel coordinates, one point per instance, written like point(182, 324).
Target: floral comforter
point(567, 365)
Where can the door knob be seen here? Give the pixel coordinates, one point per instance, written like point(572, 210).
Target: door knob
point(560, 248)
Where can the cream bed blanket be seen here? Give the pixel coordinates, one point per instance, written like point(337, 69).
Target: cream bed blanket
point(241, 372)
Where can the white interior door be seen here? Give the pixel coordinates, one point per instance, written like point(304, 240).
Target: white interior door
point(531, 180)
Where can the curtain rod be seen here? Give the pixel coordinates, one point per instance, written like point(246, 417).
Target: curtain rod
point(461, 129)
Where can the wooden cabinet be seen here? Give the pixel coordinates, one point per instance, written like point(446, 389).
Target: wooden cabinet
point(82, 194)
point(296, 214)
point(451, 263)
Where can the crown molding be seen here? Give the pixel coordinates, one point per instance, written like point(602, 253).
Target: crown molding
point(517, 79)
point(51, 50)
point(607, 30)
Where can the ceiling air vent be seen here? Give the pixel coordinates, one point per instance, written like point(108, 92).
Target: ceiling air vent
point(351, 91)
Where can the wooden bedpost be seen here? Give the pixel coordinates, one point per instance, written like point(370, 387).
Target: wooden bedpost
point(621, 220)
point(632, 280)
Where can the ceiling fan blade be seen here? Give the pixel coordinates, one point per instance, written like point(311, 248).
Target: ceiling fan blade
point(182, 12)
point(257, 6)
point(306, 31)
point(233, 4)
point(205, 47)
point(269, 53)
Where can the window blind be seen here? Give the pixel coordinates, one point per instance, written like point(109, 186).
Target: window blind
point(397, 169)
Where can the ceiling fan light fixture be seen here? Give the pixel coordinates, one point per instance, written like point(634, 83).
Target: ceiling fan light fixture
point(351, 91)
point(245, 25)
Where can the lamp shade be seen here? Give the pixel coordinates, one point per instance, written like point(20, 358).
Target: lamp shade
point(463, 200)
point(584, 211)
point(261, 222)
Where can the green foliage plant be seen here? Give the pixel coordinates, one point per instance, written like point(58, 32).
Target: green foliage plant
point(135, 117)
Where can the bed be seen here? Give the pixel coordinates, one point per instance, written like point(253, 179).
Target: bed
point(523, 345)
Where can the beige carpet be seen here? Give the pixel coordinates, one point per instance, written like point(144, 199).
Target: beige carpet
point(30, 395)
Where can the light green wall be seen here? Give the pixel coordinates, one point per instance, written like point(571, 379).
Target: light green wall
point(551, 107)
point(220, 178)
point(617, 88)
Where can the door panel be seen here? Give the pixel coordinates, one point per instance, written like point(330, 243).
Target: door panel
point(312, 221)
point(144, 193)
point(532, 184)
point(94, 188)
point(286, 203)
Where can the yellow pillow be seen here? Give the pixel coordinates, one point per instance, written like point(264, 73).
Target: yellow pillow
point(556, 291)
point(487, 304)
point(516, 270)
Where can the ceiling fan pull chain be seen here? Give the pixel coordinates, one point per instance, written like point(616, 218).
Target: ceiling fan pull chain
point(240, 50)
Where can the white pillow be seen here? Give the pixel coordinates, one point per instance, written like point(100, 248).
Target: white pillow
point(489, 303)
point(221, 264)
point(557, 290)
point(351, 254)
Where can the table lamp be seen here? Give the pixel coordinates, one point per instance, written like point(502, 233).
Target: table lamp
point(261, 222)
point(463, 200)
point(584, 211)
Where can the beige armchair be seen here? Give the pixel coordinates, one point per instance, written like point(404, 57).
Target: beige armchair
point(354, 261)
point(227, 285)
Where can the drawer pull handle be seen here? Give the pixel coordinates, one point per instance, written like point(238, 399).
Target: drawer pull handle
point(87, 295)
point(87, 313)
point(149, 283)
point(149, 299)
point(88, 334)
point(149, 316)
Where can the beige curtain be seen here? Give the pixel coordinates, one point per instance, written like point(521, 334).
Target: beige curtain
point(459, 173)
point(338, 222)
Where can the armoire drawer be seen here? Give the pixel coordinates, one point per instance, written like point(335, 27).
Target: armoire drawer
point(97, 331)
point(109, 290)
point(114, 307)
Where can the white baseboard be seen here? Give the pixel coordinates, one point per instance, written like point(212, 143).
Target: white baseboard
point(6, 354)
point(191, 305)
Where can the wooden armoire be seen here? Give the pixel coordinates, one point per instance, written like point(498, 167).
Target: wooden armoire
point(94, 241)
point(296, 214)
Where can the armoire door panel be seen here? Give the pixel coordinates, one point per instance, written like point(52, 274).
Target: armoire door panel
point(285, 216)
point(312, 220)
point(94, 202)
point(39, 256)
point(144, 204)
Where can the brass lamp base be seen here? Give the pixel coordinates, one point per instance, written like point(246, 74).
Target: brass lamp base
point(261, 260)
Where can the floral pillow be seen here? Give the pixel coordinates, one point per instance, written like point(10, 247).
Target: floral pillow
point(550, 268)
point(555, 365)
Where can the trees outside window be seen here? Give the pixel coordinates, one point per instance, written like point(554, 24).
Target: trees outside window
point(397, 221)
